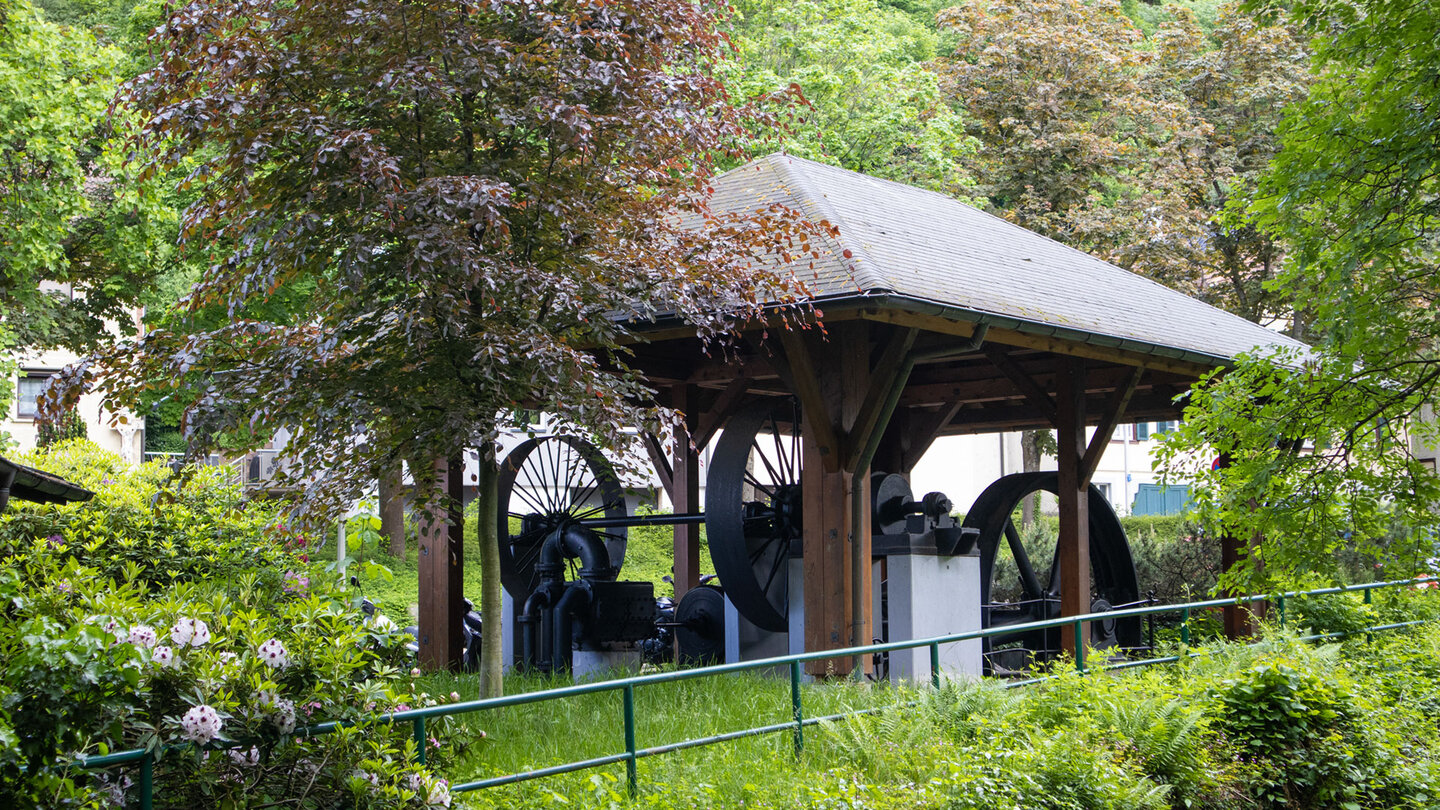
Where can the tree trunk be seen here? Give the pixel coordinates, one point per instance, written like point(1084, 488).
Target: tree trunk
point(1029, 462)
point(392, 513)
point(491, 600)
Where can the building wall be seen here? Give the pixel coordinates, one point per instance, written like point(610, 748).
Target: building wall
point(103, 426)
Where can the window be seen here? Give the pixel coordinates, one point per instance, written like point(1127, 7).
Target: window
point(1144, 430)
point(27, 393)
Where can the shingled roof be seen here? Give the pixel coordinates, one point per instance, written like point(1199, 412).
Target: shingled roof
point(917, 249)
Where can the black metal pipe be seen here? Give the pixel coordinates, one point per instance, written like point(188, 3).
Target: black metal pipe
point(577, 598)
point(571, 540)
point(529, 621)
point(642, 520)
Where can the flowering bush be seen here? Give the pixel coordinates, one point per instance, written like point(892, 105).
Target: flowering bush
point(216, 675)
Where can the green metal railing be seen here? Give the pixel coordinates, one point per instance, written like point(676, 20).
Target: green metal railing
point(798, 721)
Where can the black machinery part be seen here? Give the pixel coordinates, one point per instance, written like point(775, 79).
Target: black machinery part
point(700, 626)
point(546, 482)
point(753, 509)
point(622, 612)
point(1114, 580)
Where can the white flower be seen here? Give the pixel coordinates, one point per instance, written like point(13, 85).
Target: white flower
point(273, 654)
point(245, 758)
point(279, 711)
point(201, 724)
point(284, 716)
point(439, 794)
point(143, 635)
point(182, 632)
point(381, 623)
point(164, 656)
point(415, 673)
point(194, 632)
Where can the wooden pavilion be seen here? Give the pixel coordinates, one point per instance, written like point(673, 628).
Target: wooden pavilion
point(939, 319)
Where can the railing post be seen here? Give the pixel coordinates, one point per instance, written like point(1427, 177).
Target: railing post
point(1369, 636)
point(1280, 606)
point(420, 740)
point(631, 777)
point(935, 665)
point(147, 782)
point(1185, 627)
point(1080, 647)
point(796, 711)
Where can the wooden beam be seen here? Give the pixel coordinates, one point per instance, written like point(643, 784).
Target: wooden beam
point(719, 413)
point(1073, 548)
point(685, 495)
point(883, 379)
point(1024, 382)
point(930, 323)
point(441, 564)
point(1109, 418)
point(1092, 352)
point(661, 462)
point(812, 401)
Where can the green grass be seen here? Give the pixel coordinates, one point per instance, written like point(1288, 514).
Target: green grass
point(1154, 738)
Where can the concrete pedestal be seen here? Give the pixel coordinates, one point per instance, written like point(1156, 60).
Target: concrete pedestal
point(746, 642)
point(595, 665)
point(930, 596)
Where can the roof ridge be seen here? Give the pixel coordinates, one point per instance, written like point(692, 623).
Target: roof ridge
point(862, 267)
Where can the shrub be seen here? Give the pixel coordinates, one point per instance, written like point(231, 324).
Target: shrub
point(67, 426)
point(214, 673)
point(146, 524)
point(1299, 733)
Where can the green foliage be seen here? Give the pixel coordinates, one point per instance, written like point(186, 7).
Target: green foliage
point(68, 425)
point(1352, 192)
point(872, 105)
point(75, 214)
point(145, 524)
point(1282, 724)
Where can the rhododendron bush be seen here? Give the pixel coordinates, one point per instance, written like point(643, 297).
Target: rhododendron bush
point(213, 651)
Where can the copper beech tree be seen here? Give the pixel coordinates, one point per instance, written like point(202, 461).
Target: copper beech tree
point(487, 197)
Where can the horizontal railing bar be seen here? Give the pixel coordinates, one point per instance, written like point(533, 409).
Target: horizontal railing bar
point(653, 750)
point(525, 776)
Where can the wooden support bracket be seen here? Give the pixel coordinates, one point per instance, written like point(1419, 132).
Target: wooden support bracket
point(725, 407)
point(925, 431)
point(812, 400)
point(661, 461)
point(1114, 411)
point(885, 376)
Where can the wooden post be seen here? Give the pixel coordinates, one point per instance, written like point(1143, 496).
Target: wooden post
point(825, 562)
point(1073, 550)
point(832, 381)
point(392, 512)
point(442, 564)
point(685, 494)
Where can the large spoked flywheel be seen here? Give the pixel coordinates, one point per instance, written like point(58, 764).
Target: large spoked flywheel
point(543, 483)
point(1114, 580)
point(753, 509)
